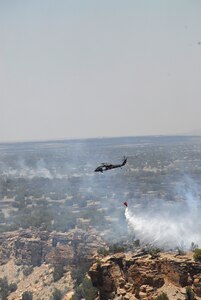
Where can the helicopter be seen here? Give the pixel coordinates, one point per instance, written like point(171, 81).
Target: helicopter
point(106, 167)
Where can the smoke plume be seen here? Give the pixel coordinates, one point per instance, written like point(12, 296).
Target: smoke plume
point(169, 224)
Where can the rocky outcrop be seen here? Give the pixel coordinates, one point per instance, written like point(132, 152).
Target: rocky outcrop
point(5, 251)
point(27, 247)
point(34, 247)
point(130, 276)
point(28, 252)
point(140, 276)
point(59, 259)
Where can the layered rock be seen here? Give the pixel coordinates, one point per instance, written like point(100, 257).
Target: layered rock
point(34, 247)
point(126, 275)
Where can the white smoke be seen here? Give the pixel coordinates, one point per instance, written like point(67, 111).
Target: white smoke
point(22, 170)
point(39, 169)
point(169, 224)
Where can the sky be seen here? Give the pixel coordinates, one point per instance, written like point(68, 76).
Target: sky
point(81, 69)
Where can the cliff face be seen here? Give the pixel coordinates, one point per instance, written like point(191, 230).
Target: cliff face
point(140, 276)
point(34, 247)
point(121, 276)
point(49, 254)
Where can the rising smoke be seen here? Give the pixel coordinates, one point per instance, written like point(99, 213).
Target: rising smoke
point(169, 224)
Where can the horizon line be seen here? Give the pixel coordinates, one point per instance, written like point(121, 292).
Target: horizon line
point(97, 137)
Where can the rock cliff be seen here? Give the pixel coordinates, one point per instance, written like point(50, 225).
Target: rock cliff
point(142, 276)
point(122, 276)
point(34, 247)
point(39, 261)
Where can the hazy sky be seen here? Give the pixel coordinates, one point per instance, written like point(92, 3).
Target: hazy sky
point(80, 68)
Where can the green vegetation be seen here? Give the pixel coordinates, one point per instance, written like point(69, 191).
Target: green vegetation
point(56, 295)
point(189, 294)
point(115, 248)
point(41, 215)
point(34, 217)
point(6, 288)
point(63, 219)
point(103, 251)
point(27, 296)
point(98, 265)
point(153, 251)
point(78, 274)
point(86, 289)
point(163, 296)
point(136, 243)
point(13, 287)
point(58, 272)
point(27, 270)
point(197, 254)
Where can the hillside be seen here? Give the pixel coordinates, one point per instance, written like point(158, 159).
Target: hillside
point(38, 261)
point(41, 262)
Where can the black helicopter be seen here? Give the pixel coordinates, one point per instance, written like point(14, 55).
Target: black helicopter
point(106, 167)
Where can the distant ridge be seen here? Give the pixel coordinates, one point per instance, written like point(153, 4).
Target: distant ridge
point(196, 132)
point(193, 132)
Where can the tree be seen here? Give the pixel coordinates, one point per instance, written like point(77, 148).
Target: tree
point(79, 273)
point(197, 254)
point(162, 296)
point(28, 270)
point(189, 293)
point(27, 296)
point(4, 288)
point(58, 272)
point(13, 287)
point(86, 289)
point(57, 294)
